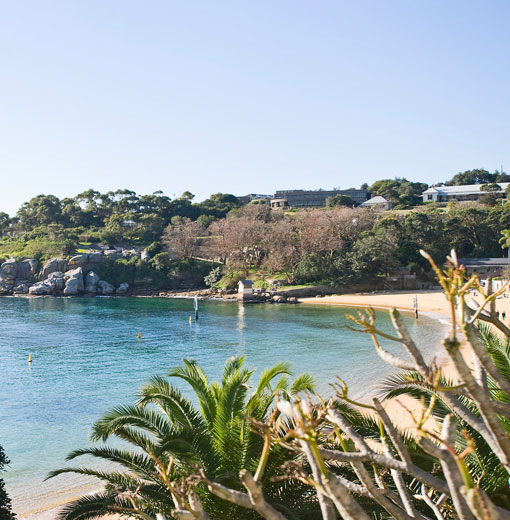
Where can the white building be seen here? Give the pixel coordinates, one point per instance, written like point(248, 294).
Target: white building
point(469, 192)
point(245, 289)
point(377, 202)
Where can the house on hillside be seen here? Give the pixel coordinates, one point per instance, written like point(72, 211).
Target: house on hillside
point(279, 203)
point(467, 193)
point(485, 267)
point(377, 202)
point(317, 198)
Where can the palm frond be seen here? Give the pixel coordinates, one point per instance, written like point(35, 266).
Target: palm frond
point(303, 383)
point(269, 374)
point(170, 400)
point(231, 365)
point(194, 375)
point(132, 416)
point(135, 461)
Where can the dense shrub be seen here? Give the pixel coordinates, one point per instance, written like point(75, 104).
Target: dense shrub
point(5, 502)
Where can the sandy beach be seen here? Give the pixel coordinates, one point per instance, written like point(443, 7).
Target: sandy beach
point(433, 303)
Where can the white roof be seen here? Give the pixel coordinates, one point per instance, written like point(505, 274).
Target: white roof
point(463, 190)
point(375, 200)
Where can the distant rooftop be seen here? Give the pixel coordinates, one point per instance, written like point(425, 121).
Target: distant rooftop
point(489, 262)
point(375, 200)
point(465, 189)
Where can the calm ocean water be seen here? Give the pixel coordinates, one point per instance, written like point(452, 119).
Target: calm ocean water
point(87, 358)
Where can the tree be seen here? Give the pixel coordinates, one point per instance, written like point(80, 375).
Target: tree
point(214, 276)
point(505, 242)
point(239, 239)
point(5, 502)
point(218, 205)
point(182, 237)
point(399, 191)
point(40, 211)
point(168, 437)
point(5, 223)
point(491, 187)
point(478, 176)
point(339, 200)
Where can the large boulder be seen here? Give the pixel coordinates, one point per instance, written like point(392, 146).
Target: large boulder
point(105, 288)
point(21, 288)
point(5, 289)
point(123, 289)
point(145, 256)
point(78, 261)
point(96, 257)
point(91, 282)
point(74, 281)
point(52, 266)
point(8, 272)
point(27, 269)
point(40, 289)
point(57, 281)
point(72, 287)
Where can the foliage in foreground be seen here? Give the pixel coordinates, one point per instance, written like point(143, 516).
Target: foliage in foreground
point(169, 438)
point(456, 467)
point(5, 502)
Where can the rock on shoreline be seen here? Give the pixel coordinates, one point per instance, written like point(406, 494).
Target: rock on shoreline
point(57, 277)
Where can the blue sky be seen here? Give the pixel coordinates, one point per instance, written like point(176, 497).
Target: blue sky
point(243, 97)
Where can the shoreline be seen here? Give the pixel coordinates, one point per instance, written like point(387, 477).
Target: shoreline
point(48, 511)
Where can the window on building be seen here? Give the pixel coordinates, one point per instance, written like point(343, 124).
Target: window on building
point(430, 197)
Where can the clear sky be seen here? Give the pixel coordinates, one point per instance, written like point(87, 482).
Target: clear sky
point(241, 97)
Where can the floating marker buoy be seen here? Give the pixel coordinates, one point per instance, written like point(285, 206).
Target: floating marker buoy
point(190, 320)
point(30, 358)
point(139, 335)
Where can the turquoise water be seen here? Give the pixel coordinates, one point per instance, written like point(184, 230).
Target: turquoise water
point(87, 358)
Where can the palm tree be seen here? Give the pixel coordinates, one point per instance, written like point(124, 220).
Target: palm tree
point(505, 242)
point(482, 462)
point(169, 437)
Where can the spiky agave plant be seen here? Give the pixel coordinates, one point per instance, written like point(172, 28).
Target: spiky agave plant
point(483, 464)
point(169, 438)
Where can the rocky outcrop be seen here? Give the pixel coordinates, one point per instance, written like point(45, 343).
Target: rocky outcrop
point(91, 282)
point(52, 266)
point(105, 288)
point(123, 289)
point(56, 280)
point(40, 289)
point(21, 288)
point(8, 272)
point(74, 282)
point(58, 276)
point(78, 261)
point(27, 269)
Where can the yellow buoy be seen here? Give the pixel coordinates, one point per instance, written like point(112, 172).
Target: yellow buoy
point(30, 358)
point(139, 335)
point(190, 320)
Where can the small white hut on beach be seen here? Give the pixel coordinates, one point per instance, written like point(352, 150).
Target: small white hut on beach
point(245, 289)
